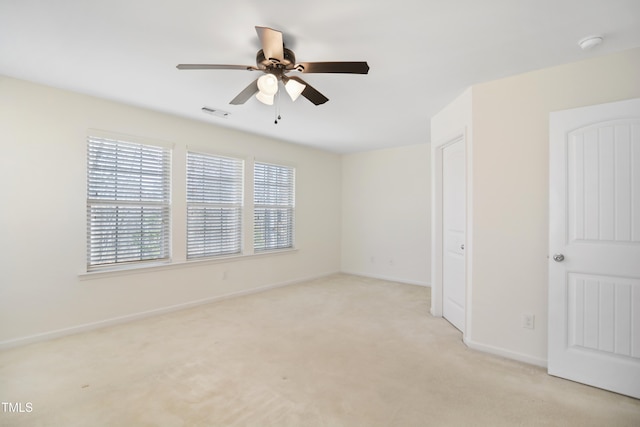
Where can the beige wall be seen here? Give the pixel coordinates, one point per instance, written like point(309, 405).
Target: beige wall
point(509, 169)
point(385, 214)
point(43, 215)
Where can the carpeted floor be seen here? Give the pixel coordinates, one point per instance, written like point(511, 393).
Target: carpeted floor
point(337, 351)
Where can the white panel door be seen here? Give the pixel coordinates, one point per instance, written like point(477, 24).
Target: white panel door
point(453, 234)
point(594, 244)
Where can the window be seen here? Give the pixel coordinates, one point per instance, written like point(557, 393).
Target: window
point(214, 205)
point(273, 207)
point(128, 202)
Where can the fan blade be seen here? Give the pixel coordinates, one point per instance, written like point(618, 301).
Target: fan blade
point(310, 92)
point(272, 44)
point(334, 67)
point(214, 67)
point(247, 93)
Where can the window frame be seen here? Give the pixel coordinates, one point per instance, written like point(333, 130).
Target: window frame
point(275, 200)
point(125, 177)
point(237, 205)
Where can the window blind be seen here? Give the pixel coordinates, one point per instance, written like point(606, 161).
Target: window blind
point(128, 202)
point(274, 206)
point(214, 205)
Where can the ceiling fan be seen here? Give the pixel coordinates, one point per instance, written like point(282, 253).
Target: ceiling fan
point(276, 61)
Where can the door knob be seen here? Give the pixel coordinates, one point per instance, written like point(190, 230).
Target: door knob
point(558, 257)
point(462, 247)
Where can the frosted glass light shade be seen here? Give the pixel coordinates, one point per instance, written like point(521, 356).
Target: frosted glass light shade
point(267, 87)
point(268, 84)
point(265, 99)
point(294, 89)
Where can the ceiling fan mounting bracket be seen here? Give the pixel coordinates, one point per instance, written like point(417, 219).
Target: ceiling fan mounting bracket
point(288, 61)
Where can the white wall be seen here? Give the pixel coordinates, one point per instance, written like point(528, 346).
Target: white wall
point(43, 215)
point(386, 214)
point(509, 169)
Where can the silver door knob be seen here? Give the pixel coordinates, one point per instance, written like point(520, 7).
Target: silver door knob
point(558, 257)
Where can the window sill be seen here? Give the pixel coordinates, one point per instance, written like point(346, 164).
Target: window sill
point(172, 265)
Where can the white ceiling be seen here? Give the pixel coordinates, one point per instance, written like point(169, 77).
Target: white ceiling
point(422, 54)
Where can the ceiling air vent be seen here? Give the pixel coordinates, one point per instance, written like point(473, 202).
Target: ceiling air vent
point(217, 113)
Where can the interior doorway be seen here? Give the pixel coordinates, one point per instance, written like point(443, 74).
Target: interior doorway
point(450, 247)
point(453, 233)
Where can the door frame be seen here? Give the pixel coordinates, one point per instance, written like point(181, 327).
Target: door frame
point(437, 259)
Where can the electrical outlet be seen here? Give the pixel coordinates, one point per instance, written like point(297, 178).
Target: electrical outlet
point(528, 321)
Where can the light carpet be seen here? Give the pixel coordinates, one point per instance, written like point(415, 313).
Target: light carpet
point(336, 351)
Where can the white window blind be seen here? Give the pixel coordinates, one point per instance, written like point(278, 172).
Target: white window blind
point(214, 205)
point(274, 206)
point(128, 202)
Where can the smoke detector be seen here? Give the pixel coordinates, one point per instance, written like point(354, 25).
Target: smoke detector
point(590, 42)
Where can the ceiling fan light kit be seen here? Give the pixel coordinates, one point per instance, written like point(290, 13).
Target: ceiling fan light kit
point(276, 61)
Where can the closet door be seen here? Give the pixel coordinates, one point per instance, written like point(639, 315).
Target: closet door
point(453, 233)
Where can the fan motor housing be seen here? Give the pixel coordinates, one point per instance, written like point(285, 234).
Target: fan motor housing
point(287, 63)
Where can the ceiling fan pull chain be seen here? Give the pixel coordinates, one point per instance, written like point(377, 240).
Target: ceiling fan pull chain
point(277, 110)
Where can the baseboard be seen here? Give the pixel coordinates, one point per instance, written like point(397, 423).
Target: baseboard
point(508, 354)
point(388, 278)
point(58, 333)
